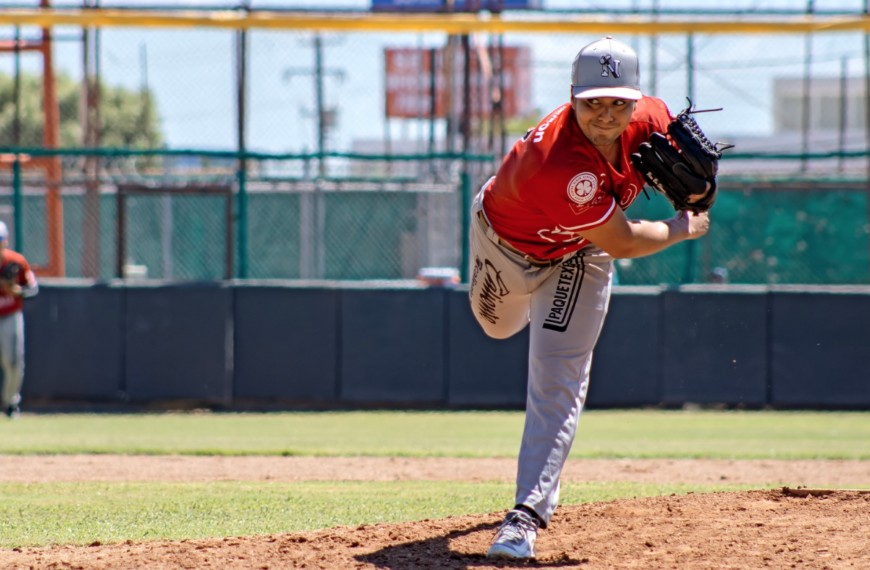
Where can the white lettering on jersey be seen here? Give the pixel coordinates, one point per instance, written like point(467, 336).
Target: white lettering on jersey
point(559, 235)
point(539, 134)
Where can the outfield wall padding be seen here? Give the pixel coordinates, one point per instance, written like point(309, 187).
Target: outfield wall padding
point(286, 343)
point(819, 347)
point(626, 362)
point(179, 343)
point(714, 347)
point(74, 343)
point(392, 346)
point(338, 345)
point(482, 371)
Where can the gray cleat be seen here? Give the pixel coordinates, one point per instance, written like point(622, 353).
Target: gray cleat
point(516, 537)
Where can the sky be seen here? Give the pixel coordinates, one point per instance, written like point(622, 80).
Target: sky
point(192, 72)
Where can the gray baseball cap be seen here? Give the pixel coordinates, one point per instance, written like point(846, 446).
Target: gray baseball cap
point(606, 68)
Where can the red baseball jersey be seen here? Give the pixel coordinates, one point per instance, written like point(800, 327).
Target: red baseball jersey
point(12, 303)
point(554, 183)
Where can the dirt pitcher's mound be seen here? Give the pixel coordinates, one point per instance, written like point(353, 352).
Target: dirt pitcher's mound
point(754, 529)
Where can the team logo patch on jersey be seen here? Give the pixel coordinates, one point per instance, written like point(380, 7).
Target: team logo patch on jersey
point(581, 190)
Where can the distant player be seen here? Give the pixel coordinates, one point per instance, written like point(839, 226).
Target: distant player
point(545, 231)
point(17, 282)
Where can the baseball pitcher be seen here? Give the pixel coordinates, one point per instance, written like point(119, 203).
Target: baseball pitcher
point(545, 231)
point(17, 282)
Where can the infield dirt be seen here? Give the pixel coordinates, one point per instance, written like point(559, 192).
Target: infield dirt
point(752, 529)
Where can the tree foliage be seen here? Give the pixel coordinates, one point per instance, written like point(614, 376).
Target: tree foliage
point(129, 118)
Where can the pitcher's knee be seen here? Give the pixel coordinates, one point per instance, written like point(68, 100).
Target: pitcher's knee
point(498, 334)
point(499, 331)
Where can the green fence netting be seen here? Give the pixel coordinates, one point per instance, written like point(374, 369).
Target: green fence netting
point(384, 226)
point(769, 235)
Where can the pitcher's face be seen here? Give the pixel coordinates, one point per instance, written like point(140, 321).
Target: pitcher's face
point(603, 119)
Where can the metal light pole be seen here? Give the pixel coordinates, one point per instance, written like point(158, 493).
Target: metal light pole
point(241, 145)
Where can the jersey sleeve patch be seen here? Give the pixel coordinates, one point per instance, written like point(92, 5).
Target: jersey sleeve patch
point(581, 191)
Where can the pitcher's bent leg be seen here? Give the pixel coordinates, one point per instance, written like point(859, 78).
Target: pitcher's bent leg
point(497, 291)
point(567, 314)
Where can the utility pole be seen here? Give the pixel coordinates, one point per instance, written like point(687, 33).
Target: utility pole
point(325, 117)
point(318, 87)
point(844, 98)
point(311, 205)
point(807, 100)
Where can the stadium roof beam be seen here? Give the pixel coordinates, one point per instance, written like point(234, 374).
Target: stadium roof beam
point(446, 23)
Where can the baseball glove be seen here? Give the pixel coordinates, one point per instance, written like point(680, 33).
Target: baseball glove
point(9, 274)
point(682, 166)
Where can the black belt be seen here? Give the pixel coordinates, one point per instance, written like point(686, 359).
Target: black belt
point(537, 262)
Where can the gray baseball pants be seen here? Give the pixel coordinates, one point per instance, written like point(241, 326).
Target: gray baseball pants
point(565, 306)
point(12, 357)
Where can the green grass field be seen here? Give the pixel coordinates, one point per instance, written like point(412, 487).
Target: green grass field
point(79, 513)
point(675, 434)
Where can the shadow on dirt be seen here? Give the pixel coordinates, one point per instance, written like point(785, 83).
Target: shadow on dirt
point(436, 553)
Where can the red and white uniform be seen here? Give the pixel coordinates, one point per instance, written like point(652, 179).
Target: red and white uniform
point(552, 187)
point(554, 184)
point(12, 329)
point(10, 303)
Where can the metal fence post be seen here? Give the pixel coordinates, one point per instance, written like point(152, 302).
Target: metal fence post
point(243, 219)
point(466, 223)
point(691, 245)
point(16, 205)
point(689, 268)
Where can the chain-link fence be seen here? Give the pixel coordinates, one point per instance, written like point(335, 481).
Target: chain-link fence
point(793, 207)
point(200, 226)
point(155, 222)
point(768, 233)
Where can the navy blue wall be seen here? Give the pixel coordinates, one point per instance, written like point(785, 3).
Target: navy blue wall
point(286, 343)
point(483, 371)
point(714, 346)
point(74, 343)
point(334, 344)
point(179, 343)
point(392, 345)
point(626, 364)
point(819, 346)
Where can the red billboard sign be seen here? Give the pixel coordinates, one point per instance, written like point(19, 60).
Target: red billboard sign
point(409, 82)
